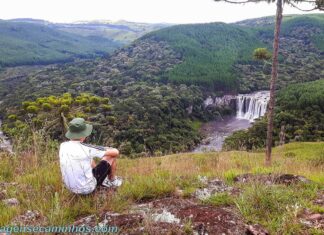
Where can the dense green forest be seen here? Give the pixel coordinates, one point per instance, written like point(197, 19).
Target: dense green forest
point(156, 85)
point(30, 44)
point(209, 52)
point(143, 120)
point(206, 55)
point(301, 52)
point(219, 56)
point(299, 109)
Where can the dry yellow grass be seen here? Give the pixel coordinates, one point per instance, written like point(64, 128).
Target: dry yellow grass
point(40, 186)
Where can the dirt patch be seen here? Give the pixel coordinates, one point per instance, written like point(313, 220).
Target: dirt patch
point(270, 179)
point(312, 220)
point(33, 218)
point(173, 216)
point(200, 219)
point(212, 220)
point(320, 199)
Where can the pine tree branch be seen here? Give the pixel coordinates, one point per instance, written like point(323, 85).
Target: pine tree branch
point(305, 10)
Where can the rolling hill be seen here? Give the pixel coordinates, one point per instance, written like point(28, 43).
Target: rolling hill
point(123, 32)
point(217, 57)
point(30, 43)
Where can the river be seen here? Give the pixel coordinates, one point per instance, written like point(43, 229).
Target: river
point(248, 108)
point(5, 143)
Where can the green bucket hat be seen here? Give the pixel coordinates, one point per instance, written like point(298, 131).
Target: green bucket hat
point(78, 128)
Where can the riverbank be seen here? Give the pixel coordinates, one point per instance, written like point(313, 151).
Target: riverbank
point(248, 108)
point(215, 132)
point(5, 144)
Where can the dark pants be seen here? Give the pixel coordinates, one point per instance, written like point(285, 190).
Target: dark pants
point(101, 171)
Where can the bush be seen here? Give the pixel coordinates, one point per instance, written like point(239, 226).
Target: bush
point(106, 107)
point(94, 100)
point(12, 117)
point(64, 108)
point(46, 106)
point(32, 109)
point(105, 100)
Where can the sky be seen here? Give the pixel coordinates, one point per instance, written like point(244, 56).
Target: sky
point(148, 11)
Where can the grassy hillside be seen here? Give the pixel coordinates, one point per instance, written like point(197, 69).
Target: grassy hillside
point(29, 43)
point(279, 208)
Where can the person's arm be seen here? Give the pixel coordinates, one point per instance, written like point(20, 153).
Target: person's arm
point(112, 152)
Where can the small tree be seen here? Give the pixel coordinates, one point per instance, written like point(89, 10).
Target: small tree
point(314, 5)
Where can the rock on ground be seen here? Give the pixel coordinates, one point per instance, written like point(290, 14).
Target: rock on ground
point(33, 218)
point(11, 201)
point(270, 179)
point(174, 216)
point(211, 187)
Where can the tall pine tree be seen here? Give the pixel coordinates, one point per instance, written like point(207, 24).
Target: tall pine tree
point(313, 5)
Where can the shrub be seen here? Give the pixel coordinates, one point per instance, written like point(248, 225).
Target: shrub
point(32, 109)
point(94, 100)
point(25, 104)
point(65, 108)
point(12, 117)
point(106, 107)
point(105, 100)
point(46, 106)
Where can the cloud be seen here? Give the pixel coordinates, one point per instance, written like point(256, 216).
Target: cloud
point(152, 11)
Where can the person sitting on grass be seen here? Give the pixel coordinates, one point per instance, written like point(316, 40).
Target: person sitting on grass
point(80, 173)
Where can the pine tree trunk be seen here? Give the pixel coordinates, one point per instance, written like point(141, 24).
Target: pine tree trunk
point(274, 75)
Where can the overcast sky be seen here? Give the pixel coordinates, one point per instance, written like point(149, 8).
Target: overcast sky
point(150, 11)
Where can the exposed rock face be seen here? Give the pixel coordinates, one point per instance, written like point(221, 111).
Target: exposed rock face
point(312, 220)
point(30, 218)
point(271, 179)
point(256, 229)
point(211, 187)
point(173, 216)
point(11, 201)
point(226, 100)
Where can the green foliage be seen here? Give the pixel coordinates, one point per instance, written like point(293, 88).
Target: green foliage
point(261, 54)
point(47, 106)
point(299, 108)
point(64, 108)
point(209, 52)
point(106, 107)
point(41, 44)
point(220, 199)
point(32, 109)
point(145, 120)
point(300, 60)
point(12, 117)
point(250, 139)
point(48, 115)
point(275, 207)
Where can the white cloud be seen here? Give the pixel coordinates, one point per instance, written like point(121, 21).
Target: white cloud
point(171, 11)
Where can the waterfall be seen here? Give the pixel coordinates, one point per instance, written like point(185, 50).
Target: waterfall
point(252, 106)
point(4, 142)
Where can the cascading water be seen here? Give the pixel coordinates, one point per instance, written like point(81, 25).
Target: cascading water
point(252, 106)
point(4, 142)
point(248, 108)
